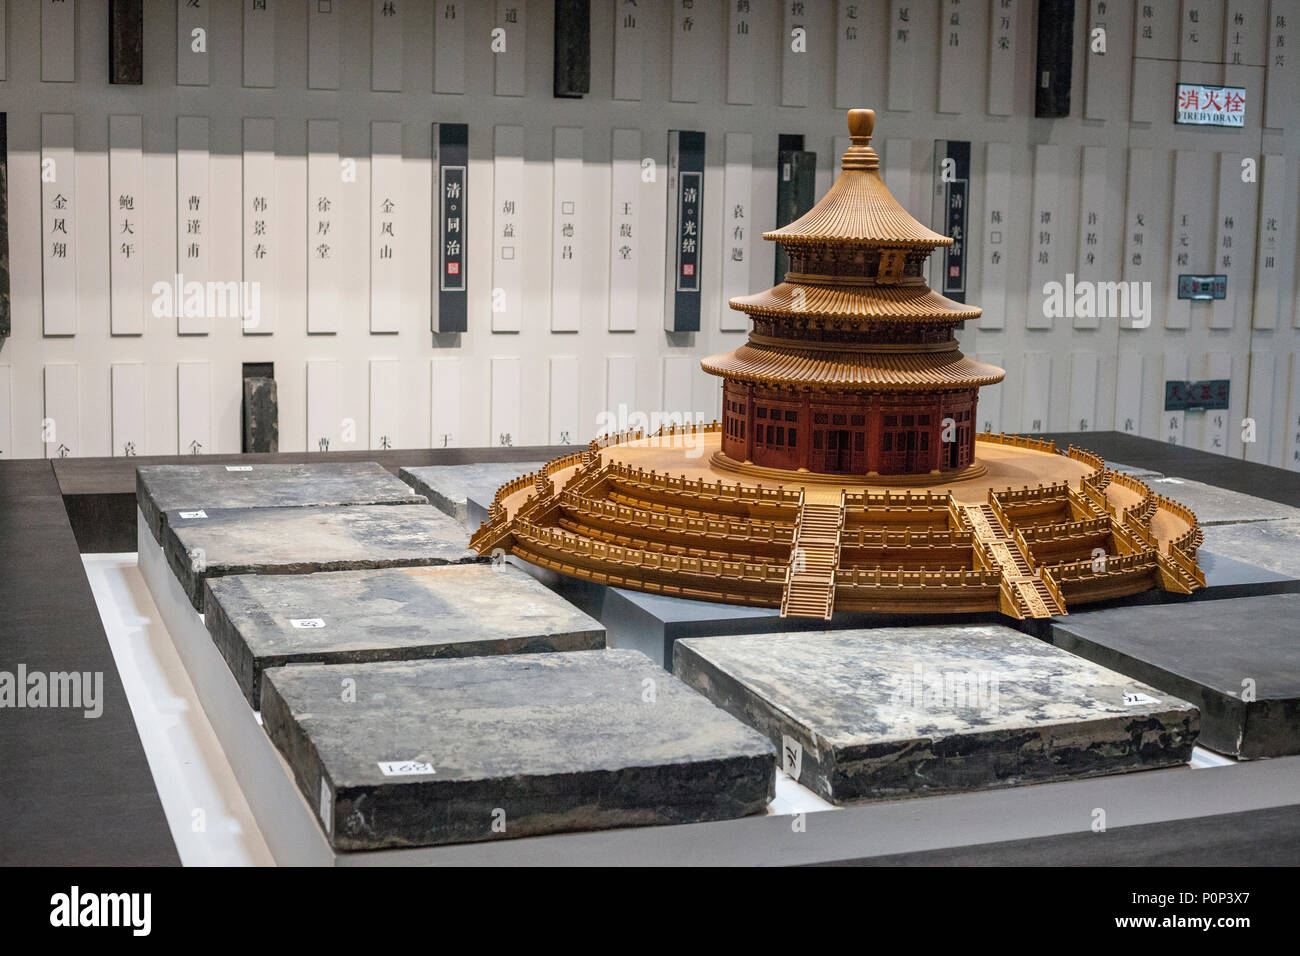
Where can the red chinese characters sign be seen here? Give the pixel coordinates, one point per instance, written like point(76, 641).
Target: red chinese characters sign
point(1210, 105)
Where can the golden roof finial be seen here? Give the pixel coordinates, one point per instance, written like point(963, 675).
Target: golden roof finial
point(860, 155)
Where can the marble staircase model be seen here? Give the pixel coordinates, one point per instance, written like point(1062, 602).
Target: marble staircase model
point(810, 579)
point(1023, 592)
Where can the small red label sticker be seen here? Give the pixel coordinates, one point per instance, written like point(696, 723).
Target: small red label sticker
point(453, 268)
point(688, 269)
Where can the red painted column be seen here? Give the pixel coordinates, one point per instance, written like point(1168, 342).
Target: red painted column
point(749, 423)
point(804, 450)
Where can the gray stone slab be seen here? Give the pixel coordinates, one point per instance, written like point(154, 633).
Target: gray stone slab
point(893, 712)
point(1137, 471)
point(1214, 506)
point(449, 488)
point(348, 617)
point(1216, 654)
point(533, 743)
point(163, 488)
point(261, 415)
point(208, 543)
point(1272, 545)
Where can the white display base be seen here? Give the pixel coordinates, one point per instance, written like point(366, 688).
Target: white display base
point(791, 833)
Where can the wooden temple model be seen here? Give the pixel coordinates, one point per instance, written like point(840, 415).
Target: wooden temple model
point(846, 472)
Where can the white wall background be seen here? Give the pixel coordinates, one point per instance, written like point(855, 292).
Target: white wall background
point(161, 390)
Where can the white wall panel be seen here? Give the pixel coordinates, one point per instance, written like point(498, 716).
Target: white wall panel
point(449, 48)
point(389, 236)
point(508, 58)
point(1004, 29)
point(194, 408)
point(1106, 59)
point(506, 420)
point(798, 37)
point(509, 239)
point(1082, 415)
point(568, 231)
point(58, 223)
point(737, 231)
point(962, 28)
point(58, 40)
point(193, 221)
point(61, 422)
point(996, 236)
point(988, 412)
point(387, 30)
point(677, 390)
point(385, 403)
point(324, 237)
point(128, 409)
point(1036, 392)
point(740, 52)
point(324, 24)
point(851, 31)
point(1173, 423)
point(565, 428)
point(1271, 251)
point(630, 30)
point(690, 29)
point(445, 428)
point(1259, 405)
point(326, 429)
point(262, 244)
point(620, 387)
point(259, 42)
point(193, 42)
point(1129, 392)
point(127, 227)
point(1155, 51)
point(1191, 234)
point(624, 230)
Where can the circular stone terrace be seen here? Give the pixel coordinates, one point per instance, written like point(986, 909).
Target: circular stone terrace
point(1025, 530)
point(1010, 463)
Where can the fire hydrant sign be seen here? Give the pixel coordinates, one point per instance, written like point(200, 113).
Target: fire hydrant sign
point(1210, 105)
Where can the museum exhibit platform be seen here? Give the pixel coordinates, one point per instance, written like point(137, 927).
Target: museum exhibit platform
point(260, 621)
point(899, 712)
point(1034, 820)
point(452, 488)
point(1237, 660)
point(209, 542)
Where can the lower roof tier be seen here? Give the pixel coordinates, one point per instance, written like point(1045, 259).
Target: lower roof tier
point(853, 371)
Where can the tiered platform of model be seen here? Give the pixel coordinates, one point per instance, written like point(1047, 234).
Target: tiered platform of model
point(656, 513)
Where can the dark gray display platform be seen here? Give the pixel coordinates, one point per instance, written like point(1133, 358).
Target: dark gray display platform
point(892, 712)
point(486, 748)
point(1272, 545)
point(458, 489)
point(390, 614)
point(212, 543)
point(163, 488)
point(1213, 653)
point(1215, 506)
